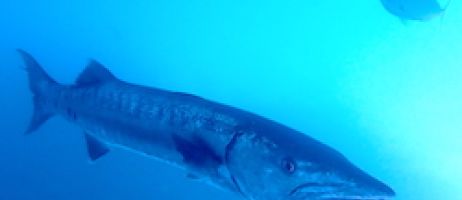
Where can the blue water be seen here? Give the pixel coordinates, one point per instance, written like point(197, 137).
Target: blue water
point(387, 94)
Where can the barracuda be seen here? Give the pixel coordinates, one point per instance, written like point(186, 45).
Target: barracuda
point(228, 147)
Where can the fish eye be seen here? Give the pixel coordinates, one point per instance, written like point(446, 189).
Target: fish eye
point(288, 165)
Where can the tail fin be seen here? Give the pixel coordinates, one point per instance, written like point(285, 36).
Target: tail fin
point(443, 12)
point(39, 84)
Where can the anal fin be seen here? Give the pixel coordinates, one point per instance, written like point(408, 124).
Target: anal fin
point(96, 149)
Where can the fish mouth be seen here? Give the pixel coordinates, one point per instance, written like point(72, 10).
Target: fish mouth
point(355, 198)
point(318, 191)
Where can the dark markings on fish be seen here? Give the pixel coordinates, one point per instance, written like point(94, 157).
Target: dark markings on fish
point(196, 152)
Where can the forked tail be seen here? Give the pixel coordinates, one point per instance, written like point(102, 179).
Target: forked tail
point(41, 85)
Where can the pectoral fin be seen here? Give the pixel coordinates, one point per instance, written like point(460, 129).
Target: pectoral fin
point(197, 153)
point(96, 149)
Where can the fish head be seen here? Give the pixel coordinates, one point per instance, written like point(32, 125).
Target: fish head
point(299, 168)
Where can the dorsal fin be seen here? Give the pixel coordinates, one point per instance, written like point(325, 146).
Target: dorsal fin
point(94, 73)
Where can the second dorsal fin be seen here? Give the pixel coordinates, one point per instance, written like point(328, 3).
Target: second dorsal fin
point(94, 73)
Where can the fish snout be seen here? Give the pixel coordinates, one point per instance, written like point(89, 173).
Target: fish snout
point(374, 188)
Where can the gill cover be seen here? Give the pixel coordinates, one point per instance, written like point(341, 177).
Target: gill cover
point(256, 165)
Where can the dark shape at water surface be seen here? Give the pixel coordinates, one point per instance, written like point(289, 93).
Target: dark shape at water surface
point(228, 147)
point(417, 10)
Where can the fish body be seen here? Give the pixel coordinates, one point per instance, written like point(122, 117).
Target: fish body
point(233, 149)
point(414, 10)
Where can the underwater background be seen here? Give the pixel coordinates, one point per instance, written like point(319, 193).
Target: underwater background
point(385, 93)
